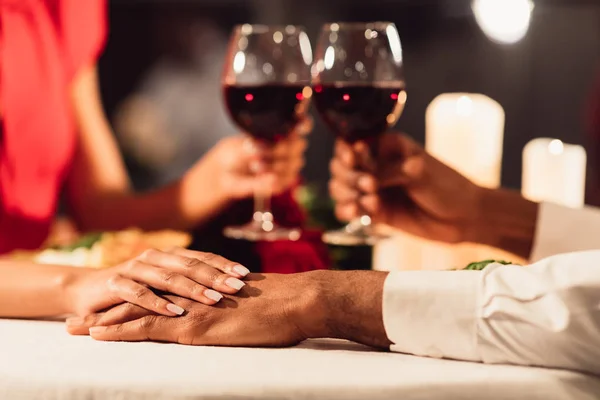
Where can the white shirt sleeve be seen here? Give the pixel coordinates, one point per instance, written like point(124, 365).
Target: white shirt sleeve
point(546, 314)
point(563, 230)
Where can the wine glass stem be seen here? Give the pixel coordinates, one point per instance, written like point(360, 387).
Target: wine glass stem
point(262, 207)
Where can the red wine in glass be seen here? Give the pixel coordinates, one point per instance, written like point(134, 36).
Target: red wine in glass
point(266, 87)
point(355, 111)
point(269, 112)
point(359, 92)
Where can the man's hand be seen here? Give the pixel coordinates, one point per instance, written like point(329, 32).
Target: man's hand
point(271, 310)
point(405, 188)
point(409, 189)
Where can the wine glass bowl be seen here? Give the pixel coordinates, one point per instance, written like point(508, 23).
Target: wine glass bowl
point(359, 92)
point(266, 89)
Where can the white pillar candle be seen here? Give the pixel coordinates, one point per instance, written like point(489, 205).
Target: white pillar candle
point(554, 171)
point(465, 131)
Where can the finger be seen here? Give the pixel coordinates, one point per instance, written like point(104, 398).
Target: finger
point(150, 327)
point(116, 315)
point(81, 325)
point(364, 157)
point(370, 204)
point(169, 281)
point(128, 290)
point(292, 147)
point(344, 153)
point(342, 193)
point(229, 267)
point(352, 178)
point(346, 212)
point(339, 171)
point(198, 269)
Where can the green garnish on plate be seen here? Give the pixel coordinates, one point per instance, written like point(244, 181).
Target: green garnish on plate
point(85, 242)
point(478, 266)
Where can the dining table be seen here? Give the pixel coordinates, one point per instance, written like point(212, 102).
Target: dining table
point(40, 360)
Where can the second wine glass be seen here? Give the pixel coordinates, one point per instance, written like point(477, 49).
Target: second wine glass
point(266, 84)
point(359, 91)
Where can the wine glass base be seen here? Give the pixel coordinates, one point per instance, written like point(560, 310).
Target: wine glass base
point(362, 237)
point(254, 232)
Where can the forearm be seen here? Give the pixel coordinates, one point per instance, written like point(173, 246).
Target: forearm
point(505, 220)
point(348, 305)
point(188, 203)
point(29, 290)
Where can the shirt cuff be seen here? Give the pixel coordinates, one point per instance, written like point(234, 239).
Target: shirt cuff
point(432, 313)
point(564, 230)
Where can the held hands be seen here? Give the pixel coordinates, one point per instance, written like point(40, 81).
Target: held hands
point(405, 188)
point(267, 312)
point(197, 276)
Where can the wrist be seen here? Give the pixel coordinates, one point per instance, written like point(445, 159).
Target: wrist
point(343, 305)
point(70, 284)
point(504, 220)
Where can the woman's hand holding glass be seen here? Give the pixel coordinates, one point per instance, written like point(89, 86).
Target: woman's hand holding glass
point(198, 276)
point(236, 166)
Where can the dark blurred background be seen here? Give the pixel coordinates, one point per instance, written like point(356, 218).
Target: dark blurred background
point(160, 72)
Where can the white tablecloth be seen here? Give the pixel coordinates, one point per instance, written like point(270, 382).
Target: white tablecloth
point(39, 360)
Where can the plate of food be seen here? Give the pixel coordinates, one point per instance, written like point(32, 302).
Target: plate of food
point(105, 249)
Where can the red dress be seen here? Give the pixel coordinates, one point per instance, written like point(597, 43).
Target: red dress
point(43, 43)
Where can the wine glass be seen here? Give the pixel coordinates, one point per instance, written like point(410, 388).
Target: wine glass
point(266, 86)
point(359, 92)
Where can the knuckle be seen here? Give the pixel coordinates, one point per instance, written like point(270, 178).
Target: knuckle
point(215, 276)
point(168, 276)
point(189, 262)
point(207, 257)
point(140, 292)
point(131, 264)
point(112, 282)
point(147, 322)
point(147, 254)
point(172, 249)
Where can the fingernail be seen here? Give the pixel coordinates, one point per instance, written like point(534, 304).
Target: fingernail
point(75, 321)
point(97, 329)
point(175, 309)
point(241, 270)
point(234, 283)
point(213, 295)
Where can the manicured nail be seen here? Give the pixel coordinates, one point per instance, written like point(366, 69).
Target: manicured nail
point(241, 270)
point(75, 321)
point(213, 295)
point(234, 283)
point(97, 329)
point(175, 309)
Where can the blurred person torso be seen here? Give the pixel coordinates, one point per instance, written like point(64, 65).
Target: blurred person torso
point(43, 43)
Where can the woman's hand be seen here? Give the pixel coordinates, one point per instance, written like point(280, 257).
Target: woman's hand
point(194, 275)
point(238, 165)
